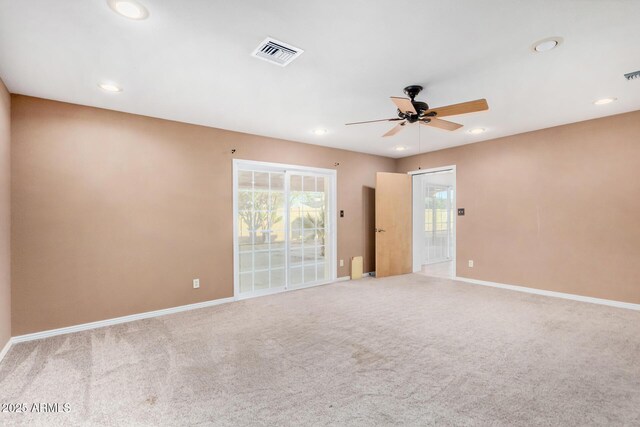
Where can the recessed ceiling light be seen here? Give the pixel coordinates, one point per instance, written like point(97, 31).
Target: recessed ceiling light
point(476, 131)
point(110, 87)
point(129, 9)
point(546, 44)
point(400, 148)
point(605, 101)
point(320, 131)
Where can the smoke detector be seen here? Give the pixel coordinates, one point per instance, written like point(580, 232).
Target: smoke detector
point(277, 52)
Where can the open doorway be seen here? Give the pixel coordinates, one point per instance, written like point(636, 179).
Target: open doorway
point(434, 222)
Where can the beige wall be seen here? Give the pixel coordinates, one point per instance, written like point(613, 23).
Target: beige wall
point(555, 209)
point(5, 216)
point(114, 214)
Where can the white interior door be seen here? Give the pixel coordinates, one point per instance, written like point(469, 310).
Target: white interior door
point(284, 227)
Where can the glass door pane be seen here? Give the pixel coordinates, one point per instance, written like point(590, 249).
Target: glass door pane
point(261, 230)
point(438, 223)
point(308, 207)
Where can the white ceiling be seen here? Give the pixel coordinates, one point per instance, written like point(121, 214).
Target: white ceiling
point(190, 61)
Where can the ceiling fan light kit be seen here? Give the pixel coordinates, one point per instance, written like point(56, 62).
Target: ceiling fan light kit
point(411, 111)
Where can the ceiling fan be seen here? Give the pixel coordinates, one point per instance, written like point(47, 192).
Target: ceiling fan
point(411, 111)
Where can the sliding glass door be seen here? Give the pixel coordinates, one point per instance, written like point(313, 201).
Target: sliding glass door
point(284, 230)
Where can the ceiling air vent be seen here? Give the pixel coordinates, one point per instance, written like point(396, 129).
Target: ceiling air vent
point(631, 76)
point(277, 52)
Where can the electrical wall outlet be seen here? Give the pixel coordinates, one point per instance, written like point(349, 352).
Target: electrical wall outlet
point(471, 263)
point(341, 263)
point(196, 283)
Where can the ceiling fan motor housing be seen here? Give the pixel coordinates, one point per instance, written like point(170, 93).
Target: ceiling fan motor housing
point(420, 107)
point(412, 91)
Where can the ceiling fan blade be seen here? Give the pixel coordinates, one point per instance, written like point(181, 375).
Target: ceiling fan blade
point(404, 104)
point(397, 128)
point(441, 124)
point(463, 108)
point(373, 121)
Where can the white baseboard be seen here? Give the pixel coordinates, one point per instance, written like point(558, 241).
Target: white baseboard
point(6, 348)
point(131, 318)
point(612, 303)
point(117, 320)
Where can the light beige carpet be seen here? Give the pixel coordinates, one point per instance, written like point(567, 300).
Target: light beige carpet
point(409, 350)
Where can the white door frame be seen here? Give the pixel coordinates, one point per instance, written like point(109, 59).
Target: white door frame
point(417, 251)
point(332, 229)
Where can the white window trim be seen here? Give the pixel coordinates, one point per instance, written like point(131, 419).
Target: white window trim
point(332, 229)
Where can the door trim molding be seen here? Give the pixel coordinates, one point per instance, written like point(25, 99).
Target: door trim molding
point(433, 170)
point(272, 165)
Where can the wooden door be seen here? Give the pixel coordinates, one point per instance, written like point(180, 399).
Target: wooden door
point(393, 224)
